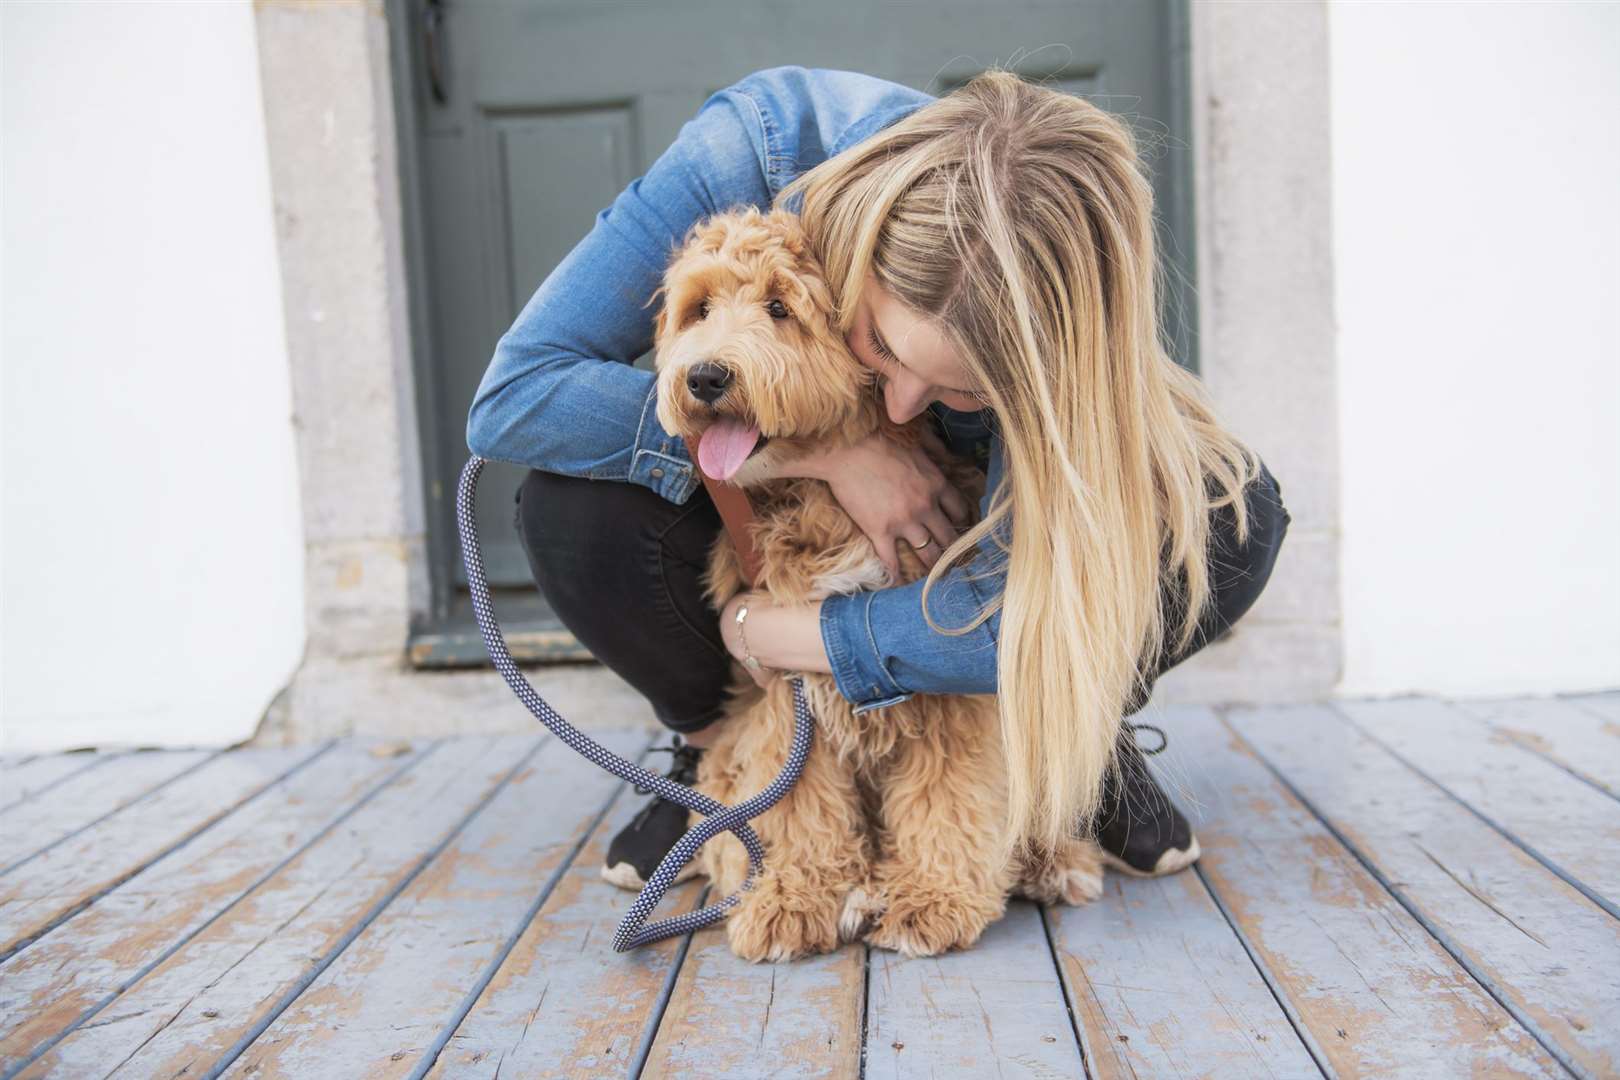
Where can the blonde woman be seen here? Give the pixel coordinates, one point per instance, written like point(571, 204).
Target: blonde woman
point(992, 256)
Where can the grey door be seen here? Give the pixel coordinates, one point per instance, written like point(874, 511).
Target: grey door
point(519, 121)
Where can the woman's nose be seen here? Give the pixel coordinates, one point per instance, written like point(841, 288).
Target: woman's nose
point(905, 395)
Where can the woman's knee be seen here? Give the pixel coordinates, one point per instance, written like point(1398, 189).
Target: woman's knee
point(1240, 571)
point(571, 528)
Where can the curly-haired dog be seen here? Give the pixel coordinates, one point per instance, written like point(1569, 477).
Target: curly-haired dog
point(895, 828)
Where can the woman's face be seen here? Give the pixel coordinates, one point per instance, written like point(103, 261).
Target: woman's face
point(915, 363)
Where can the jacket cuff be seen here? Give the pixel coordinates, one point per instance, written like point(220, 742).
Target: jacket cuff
point(659, 460)
point(858, 671)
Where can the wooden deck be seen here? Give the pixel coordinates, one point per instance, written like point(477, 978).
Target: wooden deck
point(1408, 888)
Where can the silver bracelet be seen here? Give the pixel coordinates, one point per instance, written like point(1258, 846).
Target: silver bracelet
point(748, 658)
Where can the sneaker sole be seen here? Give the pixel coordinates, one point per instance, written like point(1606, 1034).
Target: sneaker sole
point(628, 878)
point(1172, 861)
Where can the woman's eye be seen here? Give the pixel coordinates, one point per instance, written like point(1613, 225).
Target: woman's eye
point(777, 309)
point(877, 346)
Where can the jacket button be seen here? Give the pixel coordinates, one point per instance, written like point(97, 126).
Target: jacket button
point(656, 473)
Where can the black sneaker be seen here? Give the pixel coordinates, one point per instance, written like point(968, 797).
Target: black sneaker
point(1139, 829)
point(641, 845)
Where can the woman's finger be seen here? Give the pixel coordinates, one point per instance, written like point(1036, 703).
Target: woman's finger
point(931, 439)
point(886, 552)
point(943, 531)
point(956, 506)
point(927, 550)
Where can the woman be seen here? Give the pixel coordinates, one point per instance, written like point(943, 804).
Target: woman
point(992, 256)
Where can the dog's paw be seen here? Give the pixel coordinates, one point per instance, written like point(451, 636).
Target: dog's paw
point(925, 925)
point(860, 908)
point(776, 924)
point(1074, 877)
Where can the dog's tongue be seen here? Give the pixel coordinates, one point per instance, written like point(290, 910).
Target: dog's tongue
point(725, 446)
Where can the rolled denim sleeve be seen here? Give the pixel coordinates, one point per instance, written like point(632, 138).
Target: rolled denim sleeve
point(883, 651)
point(560, 393)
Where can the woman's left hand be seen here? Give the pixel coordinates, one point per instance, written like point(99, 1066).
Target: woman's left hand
point(732, 635)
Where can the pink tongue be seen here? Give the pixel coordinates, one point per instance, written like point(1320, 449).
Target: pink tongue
point(725, 446)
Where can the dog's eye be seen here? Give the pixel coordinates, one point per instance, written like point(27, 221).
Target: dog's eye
point(703, 309)
point(777, 309)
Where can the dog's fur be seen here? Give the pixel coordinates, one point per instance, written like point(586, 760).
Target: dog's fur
point(895, 827)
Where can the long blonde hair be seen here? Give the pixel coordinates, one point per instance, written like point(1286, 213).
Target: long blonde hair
point(1019, 219)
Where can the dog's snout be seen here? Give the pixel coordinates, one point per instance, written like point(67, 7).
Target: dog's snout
point(707, 381)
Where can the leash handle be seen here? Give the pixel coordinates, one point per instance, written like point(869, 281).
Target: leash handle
point(718, 817)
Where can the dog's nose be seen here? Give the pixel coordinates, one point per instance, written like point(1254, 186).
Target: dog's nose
point(708, 381)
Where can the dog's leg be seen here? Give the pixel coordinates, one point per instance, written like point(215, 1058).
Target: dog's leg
point(943, 877)
point(815, 853)
point(1072, 875)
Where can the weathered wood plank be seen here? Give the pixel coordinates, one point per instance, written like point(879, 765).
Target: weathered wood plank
point(994, 1009)
point(1162, 986)
point(1378, 995)
point(1577, 739)
point(1544, 949)
point(402, 981)
point(562, 1003)
point(230, 980)
point(53, 985)
point(88, 798)
point(63, 880)
point(1606, 705)
point(728, 1018)
point(1563, 820)
point(40, 774)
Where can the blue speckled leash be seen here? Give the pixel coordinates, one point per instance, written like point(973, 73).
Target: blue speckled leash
point(718, 817)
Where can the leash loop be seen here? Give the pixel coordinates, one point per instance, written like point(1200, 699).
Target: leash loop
point(718, 817)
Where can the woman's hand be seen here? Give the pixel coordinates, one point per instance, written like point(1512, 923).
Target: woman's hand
point(892, 492)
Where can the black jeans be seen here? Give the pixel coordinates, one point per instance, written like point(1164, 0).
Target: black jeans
point(621, 566)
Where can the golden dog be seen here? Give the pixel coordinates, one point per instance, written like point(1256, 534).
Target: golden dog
point(895, 829)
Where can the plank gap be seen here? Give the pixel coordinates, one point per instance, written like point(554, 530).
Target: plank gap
point(656, 1019)
point(866, 1002)
point(1063, 988)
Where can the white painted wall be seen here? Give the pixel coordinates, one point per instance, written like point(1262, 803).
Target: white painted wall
point(152, 556)
point(1477, 261)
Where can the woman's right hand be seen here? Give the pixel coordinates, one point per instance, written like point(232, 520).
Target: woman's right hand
point(892, 492)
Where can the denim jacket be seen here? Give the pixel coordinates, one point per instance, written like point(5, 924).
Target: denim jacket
point(561, 394)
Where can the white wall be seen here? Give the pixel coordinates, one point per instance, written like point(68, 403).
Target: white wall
point(152, 555)
point(1477, 261)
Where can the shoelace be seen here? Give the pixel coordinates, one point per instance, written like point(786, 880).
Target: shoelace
point(683, 767)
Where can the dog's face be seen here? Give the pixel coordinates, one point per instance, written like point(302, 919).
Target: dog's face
point(749, 362)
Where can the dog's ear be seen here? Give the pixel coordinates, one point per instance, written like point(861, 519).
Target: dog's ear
point(808, 286)
point(661, 321)
point(790, 228)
